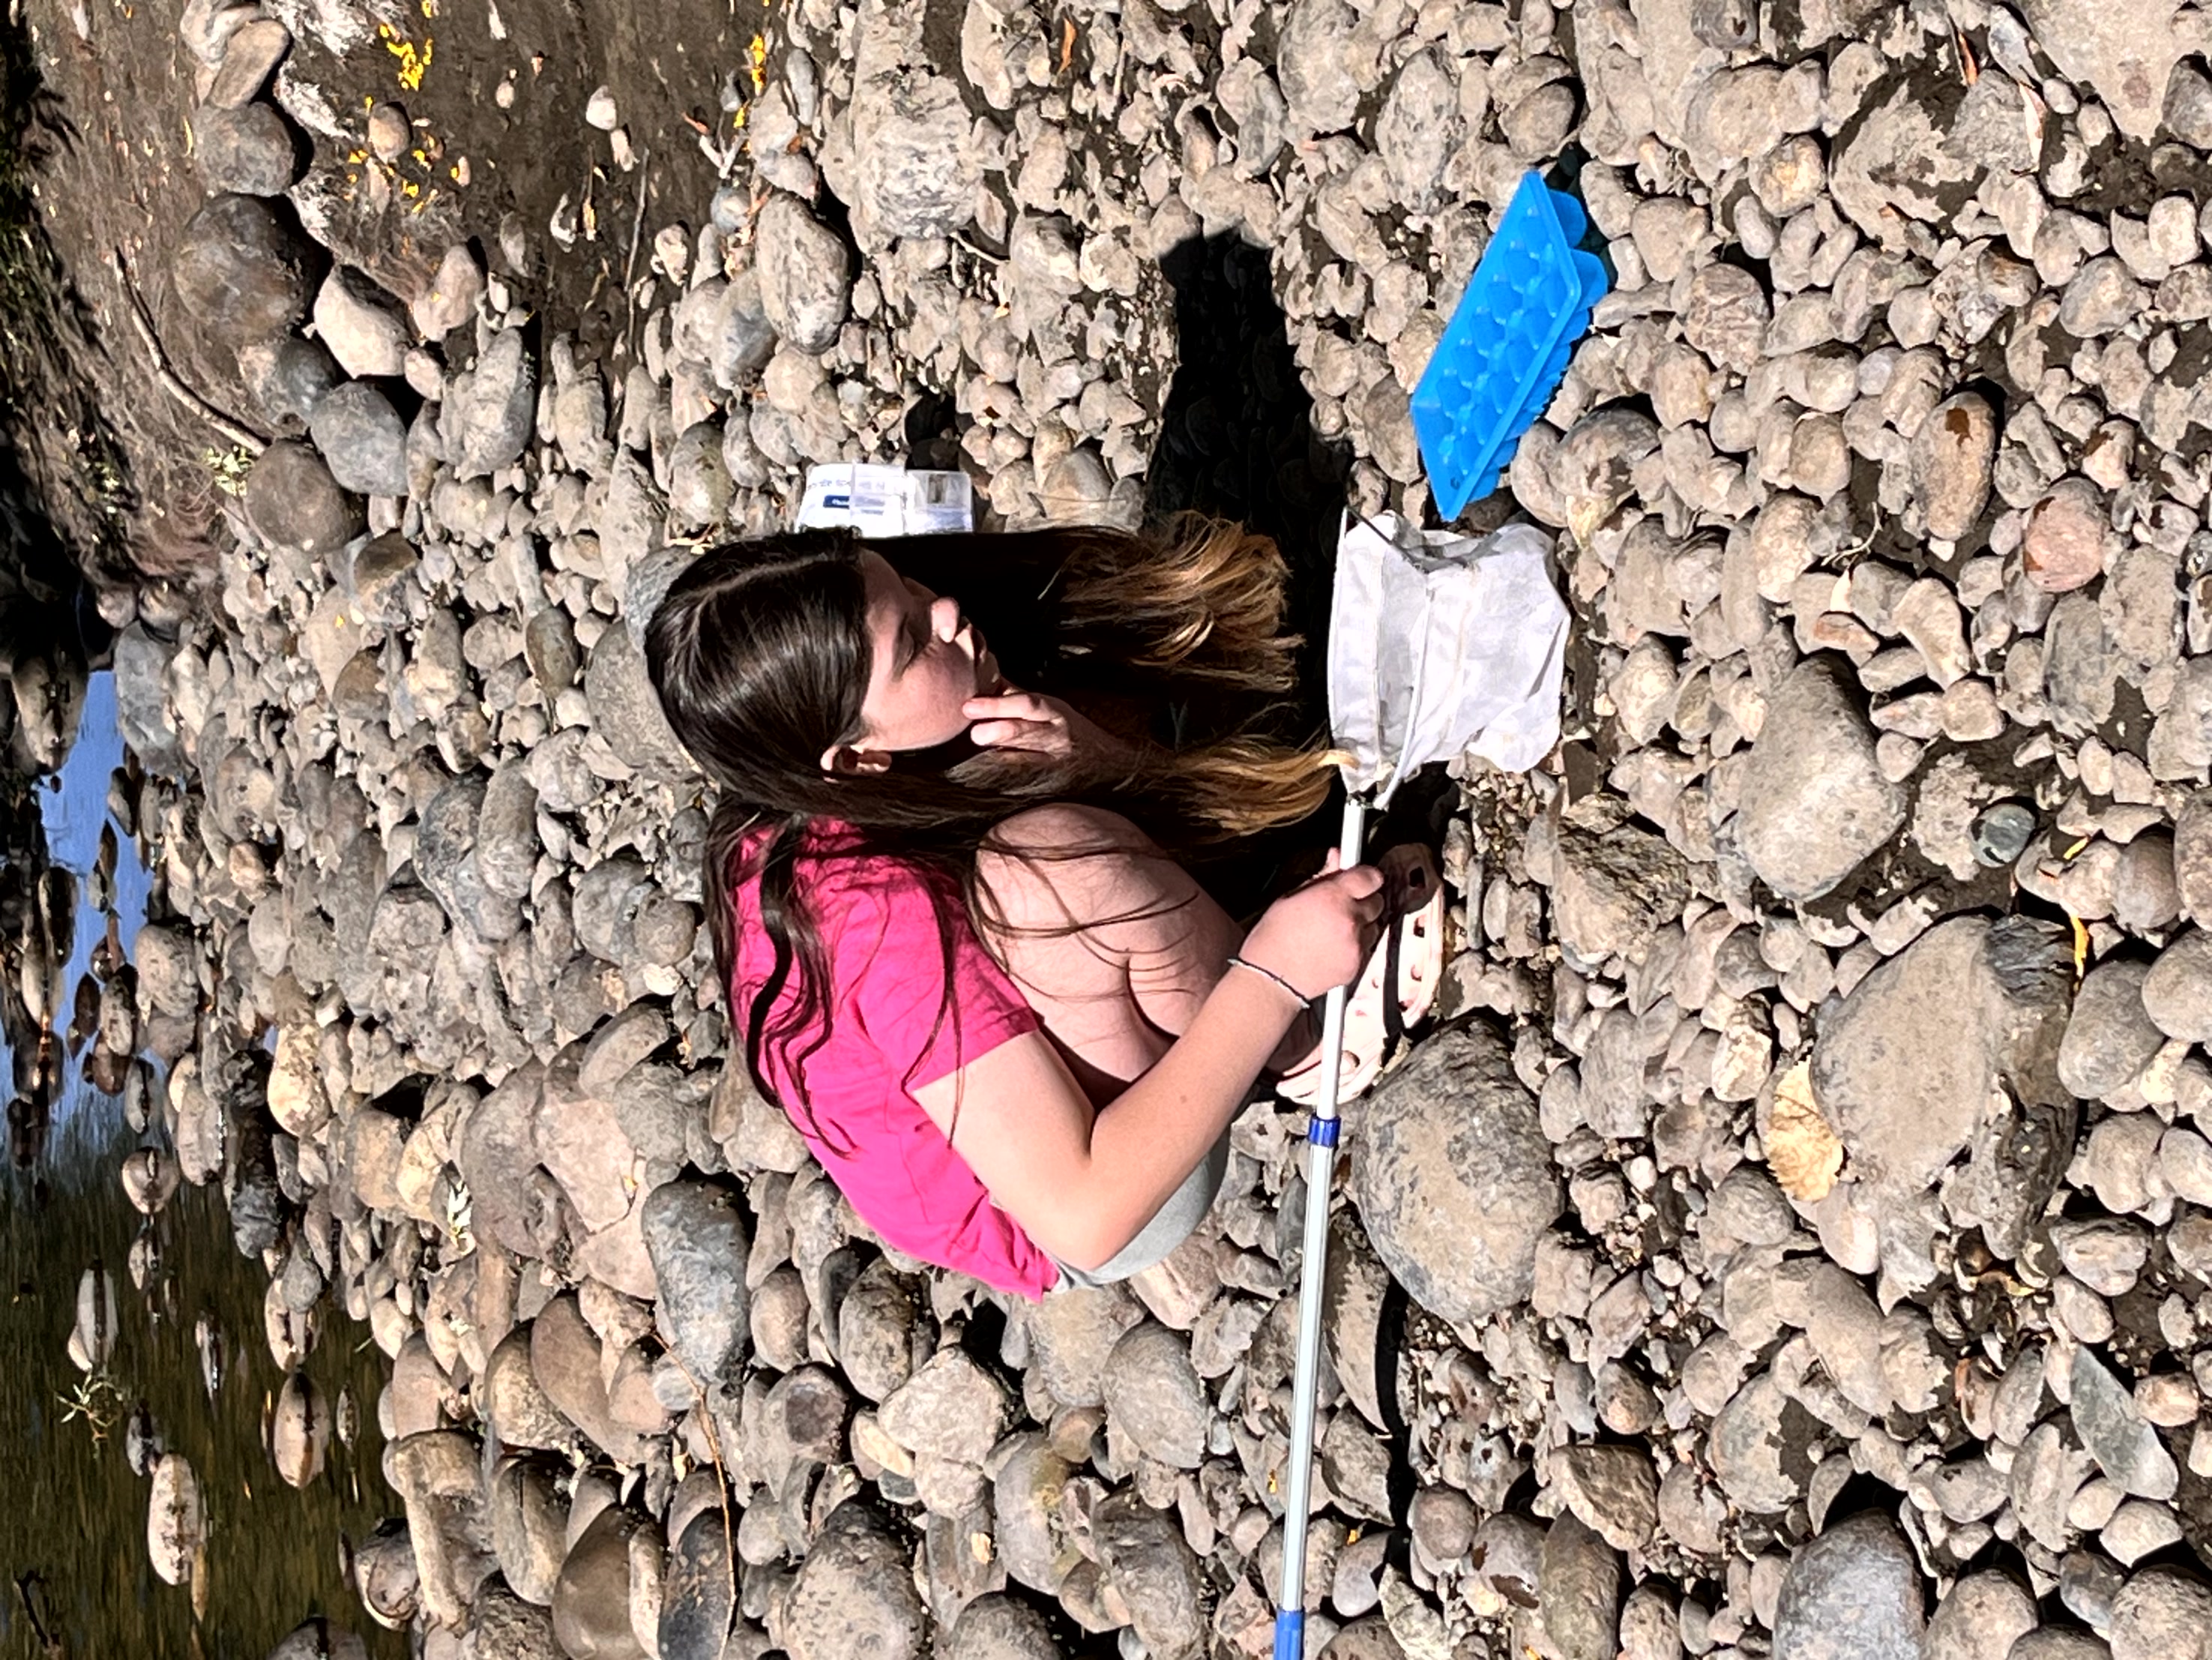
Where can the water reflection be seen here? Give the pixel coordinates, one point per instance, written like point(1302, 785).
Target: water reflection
point(147, 1435)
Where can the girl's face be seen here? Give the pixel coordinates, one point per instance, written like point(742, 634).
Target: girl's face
point(926, 662)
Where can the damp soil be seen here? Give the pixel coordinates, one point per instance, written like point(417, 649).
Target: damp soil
point(496, 96)
point(116, 182)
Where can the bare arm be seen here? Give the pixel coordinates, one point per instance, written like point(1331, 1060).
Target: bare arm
point(1083, 1184)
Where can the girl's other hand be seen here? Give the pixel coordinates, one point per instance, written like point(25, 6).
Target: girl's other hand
point(1317, 937)
point(1035, 725)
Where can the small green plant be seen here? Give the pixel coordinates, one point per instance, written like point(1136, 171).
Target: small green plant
point(98, 1400)
point(460, 1213)
point(229, 467)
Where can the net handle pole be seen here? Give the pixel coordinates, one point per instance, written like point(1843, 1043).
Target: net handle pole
point(1321, 1172)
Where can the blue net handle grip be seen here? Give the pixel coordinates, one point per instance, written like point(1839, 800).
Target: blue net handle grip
point(1289, 1634)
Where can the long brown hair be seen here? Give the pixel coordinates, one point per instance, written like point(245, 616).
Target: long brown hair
point(761, 656)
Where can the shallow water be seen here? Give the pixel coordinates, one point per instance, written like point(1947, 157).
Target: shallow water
point(73, 1523)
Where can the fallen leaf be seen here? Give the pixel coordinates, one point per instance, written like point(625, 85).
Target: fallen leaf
point(1517, 1590)
point(1802, 1150)
point(2081, 946)
point(1066, 45)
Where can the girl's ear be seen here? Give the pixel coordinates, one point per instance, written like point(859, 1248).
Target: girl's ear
point(852, 762)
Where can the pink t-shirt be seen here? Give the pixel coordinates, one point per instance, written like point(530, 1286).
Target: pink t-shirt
point(879, 930)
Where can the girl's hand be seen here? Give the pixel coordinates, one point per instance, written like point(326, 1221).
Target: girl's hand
point(1024, 720)
point(1317, 937)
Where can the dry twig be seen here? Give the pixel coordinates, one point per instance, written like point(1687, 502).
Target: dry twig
point(721, 1474)
point(629, 265)
point(171, 382)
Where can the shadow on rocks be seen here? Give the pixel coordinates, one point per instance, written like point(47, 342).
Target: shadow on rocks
point(1237, 441)
point(1397, 1433)
point(1236, 435)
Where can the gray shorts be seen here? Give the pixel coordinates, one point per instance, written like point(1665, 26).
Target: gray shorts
point(1173, 1223)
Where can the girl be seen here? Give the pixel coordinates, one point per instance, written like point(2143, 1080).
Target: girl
point(1011, 1025)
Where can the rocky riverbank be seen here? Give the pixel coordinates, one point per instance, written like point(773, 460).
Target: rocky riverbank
point(1798, 1239)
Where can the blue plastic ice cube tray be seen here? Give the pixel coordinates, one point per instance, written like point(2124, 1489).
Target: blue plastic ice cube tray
point(1505, 349)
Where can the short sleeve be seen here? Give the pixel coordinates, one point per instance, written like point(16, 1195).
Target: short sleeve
point(898, 993)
